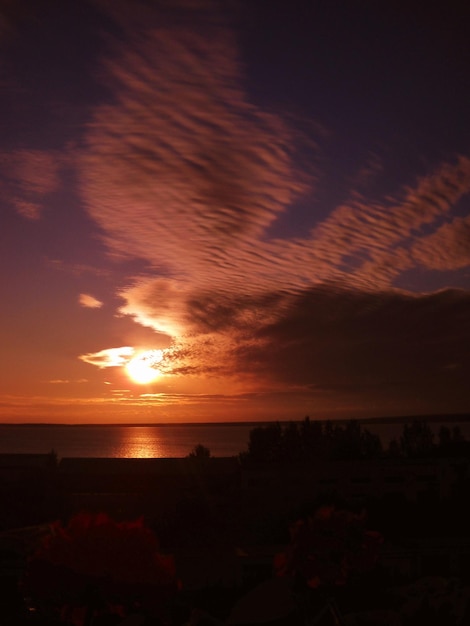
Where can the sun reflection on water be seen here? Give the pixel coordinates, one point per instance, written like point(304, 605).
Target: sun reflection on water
point(140, 443)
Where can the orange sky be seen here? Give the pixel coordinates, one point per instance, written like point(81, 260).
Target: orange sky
point(215, 215)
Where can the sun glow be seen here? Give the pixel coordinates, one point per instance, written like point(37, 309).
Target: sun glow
point(142, 368)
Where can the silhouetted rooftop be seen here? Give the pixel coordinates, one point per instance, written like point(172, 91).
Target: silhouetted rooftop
point(158, 466)
point(25, 460)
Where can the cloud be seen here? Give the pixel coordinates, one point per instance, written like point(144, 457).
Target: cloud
point(60, 381)
point(448, 248)
point(78, 269)
point(182, 170)
point(189, 176)
point(330, 340)
point(182, 157)
point(334, 339)
point(360, 248)
point(30, 210)
point(369, 243)
point(89, 302)
point(109, 357)
point(27, 176)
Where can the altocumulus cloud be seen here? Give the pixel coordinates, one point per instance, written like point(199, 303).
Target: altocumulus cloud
point(182, 170)
point(448, 248)
point(182, 158)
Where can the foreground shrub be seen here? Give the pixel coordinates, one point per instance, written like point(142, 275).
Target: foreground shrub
point(95, 564)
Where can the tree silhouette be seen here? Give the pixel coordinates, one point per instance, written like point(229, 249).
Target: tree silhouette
point(417, 439)
point(199, 452)
point(265, 443)
point(308, 441)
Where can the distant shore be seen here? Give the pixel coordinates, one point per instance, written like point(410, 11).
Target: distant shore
point(399, 419)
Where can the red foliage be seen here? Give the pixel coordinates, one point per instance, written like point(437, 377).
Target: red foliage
point(328, 547)
point(117, 560)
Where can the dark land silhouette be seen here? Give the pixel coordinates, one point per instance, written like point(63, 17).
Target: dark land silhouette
point(352, 527)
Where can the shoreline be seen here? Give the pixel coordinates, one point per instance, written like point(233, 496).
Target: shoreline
point(399, 419)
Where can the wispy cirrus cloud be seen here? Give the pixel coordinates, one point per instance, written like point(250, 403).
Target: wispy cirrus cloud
point(26, 177)
point(65, 381)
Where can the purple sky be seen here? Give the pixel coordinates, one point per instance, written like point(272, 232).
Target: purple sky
point(233, 210)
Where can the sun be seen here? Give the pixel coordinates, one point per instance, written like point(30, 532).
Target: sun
point(142, 368)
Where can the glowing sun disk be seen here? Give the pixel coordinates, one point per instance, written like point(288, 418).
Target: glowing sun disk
point(142, 368)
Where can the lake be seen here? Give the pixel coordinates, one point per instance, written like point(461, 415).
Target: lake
point(154, 440)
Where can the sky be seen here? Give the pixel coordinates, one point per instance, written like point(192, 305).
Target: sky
point(233, 211)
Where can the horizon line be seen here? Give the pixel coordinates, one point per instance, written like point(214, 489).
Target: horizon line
point(464, 416)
